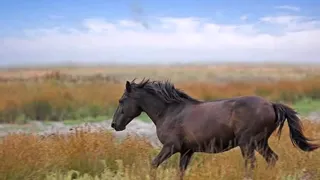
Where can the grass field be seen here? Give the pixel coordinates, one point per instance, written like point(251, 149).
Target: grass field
point(74, 95)
point(98, 154)
point(179, 73)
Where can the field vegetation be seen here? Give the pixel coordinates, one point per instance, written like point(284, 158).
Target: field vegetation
point(87, 155)
point(74, 94)
point(62, 94)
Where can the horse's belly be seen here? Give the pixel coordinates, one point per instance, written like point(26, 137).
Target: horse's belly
point(217, 147)
point(214, 145)
point(207, 136)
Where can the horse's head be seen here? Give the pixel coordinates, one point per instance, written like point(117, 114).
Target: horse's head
point(127, 109)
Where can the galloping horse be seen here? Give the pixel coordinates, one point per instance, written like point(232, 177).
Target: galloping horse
point(187, 125)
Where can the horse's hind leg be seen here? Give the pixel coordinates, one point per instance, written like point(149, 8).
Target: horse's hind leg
point(249, 158)
point(247, 148)
point(268, 154)
point(247, 151)
point(185, 157)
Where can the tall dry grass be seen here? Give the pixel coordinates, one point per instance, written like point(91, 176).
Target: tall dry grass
point(98, 154)
point(56, 100)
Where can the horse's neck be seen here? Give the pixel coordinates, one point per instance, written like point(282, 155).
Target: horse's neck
point(161, 114)
point(154, 108)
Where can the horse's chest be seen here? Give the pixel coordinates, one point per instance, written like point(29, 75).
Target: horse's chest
point(166, 134)
point(162, 135)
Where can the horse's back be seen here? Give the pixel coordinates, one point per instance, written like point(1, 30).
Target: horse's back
point(224, 119)
point(252, 114)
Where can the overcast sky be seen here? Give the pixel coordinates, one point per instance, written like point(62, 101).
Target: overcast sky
point(40, 32)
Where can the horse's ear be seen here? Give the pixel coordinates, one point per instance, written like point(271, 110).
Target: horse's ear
point(128, 86)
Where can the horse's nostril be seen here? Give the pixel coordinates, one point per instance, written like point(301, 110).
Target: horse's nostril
point(112, 125)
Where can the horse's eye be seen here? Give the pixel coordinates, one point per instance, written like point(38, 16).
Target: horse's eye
point(121, 101)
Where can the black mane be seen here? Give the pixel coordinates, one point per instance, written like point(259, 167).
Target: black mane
point(165, 91)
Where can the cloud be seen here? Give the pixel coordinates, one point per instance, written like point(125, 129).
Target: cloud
point(288, 7)
point(292, 23)
point(281, 19)
point(169, 39)
point(244, 17)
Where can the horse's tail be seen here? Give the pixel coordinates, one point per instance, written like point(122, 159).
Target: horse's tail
point(298, 139)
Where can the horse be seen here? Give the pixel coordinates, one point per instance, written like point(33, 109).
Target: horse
point(187, 125)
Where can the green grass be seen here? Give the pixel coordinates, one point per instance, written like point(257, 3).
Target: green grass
point(306, 106)
point(86, 120)
point(143, 117)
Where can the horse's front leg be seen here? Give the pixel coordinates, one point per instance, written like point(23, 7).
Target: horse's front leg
point(166, 152)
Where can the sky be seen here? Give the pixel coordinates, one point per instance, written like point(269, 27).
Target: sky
point(151, 31)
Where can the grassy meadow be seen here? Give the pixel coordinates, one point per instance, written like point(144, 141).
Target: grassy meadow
point(75, 94)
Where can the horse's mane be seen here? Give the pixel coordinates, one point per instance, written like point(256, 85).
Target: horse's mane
point(165, 91)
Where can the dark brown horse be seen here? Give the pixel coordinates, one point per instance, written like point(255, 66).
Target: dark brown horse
point(187, 125)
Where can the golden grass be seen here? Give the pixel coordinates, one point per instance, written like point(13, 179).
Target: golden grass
point(16, 95)
point(178, 72)
point(98, 153)
point(200, 81)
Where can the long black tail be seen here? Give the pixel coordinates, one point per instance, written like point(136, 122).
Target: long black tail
point(298, 139)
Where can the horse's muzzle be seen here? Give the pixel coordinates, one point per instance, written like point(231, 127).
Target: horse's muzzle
point(113, 125)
